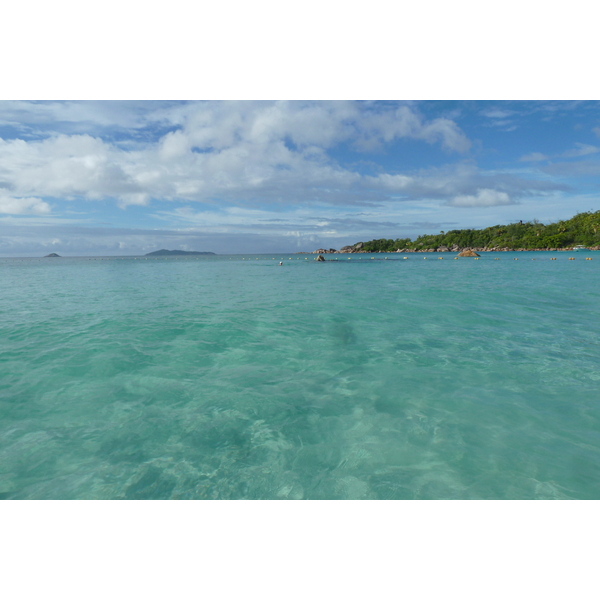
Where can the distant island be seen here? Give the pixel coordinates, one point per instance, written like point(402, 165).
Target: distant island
point(53, 255)
point(176, 253)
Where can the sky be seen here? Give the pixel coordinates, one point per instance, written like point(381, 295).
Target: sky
point(83, 178)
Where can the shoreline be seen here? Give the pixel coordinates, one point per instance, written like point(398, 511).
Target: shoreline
point(452, 251)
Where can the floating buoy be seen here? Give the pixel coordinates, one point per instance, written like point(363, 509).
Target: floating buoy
point(406, 258)
point(424, 258)
point(516, 259)
point(372, 258)
point(456, 258)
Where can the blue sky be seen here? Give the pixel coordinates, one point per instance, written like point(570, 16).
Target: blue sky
point(129, 177)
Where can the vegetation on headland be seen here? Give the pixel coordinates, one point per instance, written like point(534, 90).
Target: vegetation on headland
point(583, 228)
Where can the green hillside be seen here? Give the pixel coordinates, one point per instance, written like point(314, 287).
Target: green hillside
point(583, 228)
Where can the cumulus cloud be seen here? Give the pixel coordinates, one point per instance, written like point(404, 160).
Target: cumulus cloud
point(22, 206)
point(250, 155)
point(484, 197)
point(225, 150)
point(376, 128)
point(461, 180)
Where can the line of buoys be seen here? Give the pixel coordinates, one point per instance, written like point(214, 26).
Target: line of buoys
point(350, 258)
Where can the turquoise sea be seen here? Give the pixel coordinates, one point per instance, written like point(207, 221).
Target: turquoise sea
point(231, 377)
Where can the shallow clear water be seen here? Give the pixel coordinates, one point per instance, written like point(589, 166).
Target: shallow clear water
point(231, 377)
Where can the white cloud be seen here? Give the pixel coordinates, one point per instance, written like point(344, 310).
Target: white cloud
point(226, 150)
point(596, 130)
point(581, 150)
point(22, 206)
point(483, 197)
point(497, 113)
point(252, 156)
point(533, 157)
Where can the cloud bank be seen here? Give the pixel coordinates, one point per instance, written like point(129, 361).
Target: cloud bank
point(299, 174)
point(219, 150)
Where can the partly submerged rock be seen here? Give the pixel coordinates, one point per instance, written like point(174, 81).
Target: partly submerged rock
point(53, 255)
point(320, 258)
point(468, 252)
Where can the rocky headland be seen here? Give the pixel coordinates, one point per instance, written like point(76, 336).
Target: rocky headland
point(358, 249)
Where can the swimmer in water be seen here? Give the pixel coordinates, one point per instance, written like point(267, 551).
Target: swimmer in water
point(280, 264)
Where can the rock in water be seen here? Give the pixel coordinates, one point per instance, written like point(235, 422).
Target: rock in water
point(468, 252)
point(53, 255)
point(320, 258)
